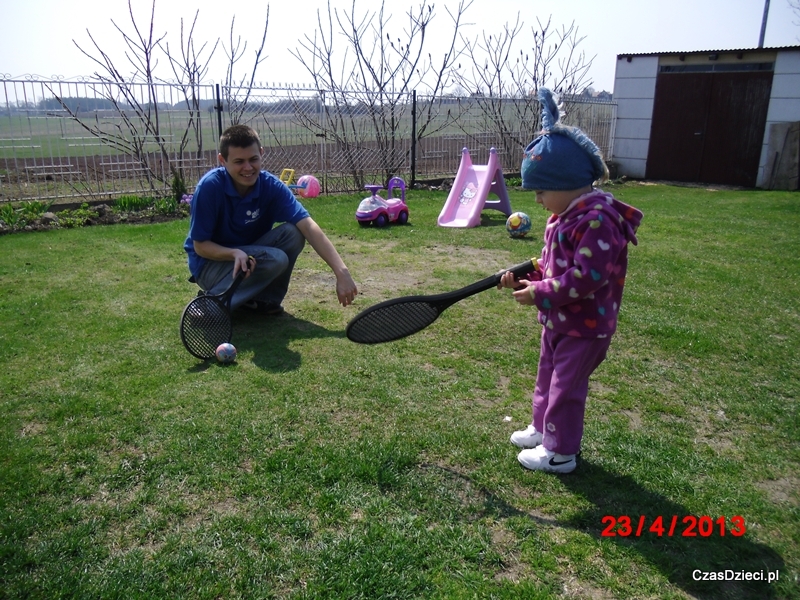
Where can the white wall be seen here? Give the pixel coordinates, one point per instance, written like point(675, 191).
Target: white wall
point(634, 93)
point(784, 102)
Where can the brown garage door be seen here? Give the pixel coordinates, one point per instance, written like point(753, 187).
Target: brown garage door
point(709, 127)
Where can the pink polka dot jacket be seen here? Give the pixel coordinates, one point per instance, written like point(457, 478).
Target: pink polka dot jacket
point(581, 275)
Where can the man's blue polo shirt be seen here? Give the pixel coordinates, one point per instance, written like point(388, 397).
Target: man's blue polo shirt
point(221, 215)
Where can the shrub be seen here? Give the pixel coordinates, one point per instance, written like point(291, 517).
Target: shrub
point(69, 219)
point(10, 215)
point(33, 209)
point(179, 189)
point(166, 206)
point(132, 203)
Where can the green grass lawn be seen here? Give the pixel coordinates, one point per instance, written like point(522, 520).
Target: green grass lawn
point(317, 468)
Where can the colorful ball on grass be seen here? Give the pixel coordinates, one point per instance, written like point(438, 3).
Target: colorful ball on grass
point(309, 186)
point(518, 225)
point(226, 353)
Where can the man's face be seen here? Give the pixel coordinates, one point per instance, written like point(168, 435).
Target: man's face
point(243, 165)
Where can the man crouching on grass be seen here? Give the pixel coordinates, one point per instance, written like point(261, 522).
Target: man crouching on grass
point(231, 229)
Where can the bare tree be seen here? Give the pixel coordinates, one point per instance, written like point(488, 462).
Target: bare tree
point(134, 98)
point(137, 126)
point(365, 96)
point(504, 78)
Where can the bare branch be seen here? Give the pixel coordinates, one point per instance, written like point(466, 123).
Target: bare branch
point(237, 93)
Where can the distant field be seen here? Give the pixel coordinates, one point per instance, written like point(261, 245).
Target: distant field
point(48, 155)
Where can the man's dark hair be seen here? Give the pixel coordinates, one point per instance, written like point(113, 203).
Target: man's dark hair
point(239, 136)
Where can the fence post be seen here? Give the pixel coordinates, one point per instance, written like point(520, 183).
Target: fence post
point(413, 138)
point(324, 138)
point(218, 108)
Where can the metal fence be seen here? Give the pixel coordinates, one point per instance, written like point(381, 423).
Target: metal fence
point(67, 141)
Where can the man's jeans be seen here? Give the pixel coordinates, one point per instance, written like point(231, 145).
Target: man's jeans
point(275, 253)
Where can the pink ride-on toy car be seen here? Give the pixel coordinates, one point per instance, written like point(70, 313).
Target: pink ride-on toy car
point(375, 209)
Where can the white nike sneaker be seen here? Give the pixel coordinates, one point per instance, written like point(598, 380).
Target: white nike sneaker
point(542, 459)
point(526, 438)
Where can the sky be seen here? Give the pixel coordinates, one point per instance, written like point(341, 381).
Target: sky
point(38, 35)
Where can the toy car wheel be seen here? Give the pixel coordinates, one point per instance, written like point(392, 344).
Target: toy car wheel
point(381, 220)
point(364, 223)
point(402, 218)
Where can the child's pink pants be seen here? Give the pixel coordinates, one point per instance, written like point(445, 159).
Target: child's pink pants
point(562, 383)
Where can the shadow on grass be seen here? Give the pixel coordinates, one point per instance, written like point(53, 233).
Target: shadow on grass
point(677, 557)
point(493, 219)
point(268, 338)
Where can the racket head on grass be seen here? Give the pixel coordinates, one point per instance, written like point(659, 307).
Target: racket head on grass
point(400, 317)
point(206, 322)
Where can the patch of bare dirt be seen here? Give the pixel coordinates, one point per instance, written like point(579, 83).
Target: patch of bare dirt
point(31, 429)
point(381, 274)
point(782, 491)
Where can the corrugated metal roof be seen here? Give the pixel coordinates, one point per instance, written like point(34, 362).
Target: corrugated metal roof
point(726, 51)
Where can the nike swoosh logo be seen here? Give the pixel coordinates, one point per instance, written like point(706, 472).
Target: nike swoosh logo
point(553, 462)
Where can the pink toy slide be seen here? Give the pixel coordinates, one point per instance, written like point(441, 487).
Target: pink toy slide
point(471, 188)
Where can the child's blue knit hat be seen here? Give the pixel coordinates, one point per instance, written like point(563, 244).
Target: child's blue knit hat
point(562, 157)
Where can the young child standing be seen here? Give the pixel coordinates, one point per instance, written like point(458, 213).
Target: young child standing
point(577, 286)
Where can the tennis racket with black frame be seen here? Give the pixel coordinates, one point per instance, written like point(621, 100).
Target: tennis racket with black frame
point(206, 321)
point(400, 317)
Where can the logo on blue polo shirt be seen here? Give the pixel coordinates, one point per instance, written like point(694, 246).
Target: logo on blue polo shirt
point(252, 215)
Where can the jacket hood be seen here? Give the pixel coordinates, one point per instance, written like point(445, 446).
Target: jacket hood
point(626, 216)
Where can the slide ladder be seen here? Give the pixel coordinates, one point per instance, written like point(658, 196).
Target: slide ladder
point(470, 192)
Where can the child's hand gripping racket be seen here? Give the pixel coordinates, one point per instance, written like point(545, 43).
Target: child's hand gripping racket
point(206, 321)
point(400, 317)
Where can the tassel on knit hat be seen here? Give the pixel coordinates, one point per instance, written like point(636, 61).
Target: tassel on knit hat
point(562, 157)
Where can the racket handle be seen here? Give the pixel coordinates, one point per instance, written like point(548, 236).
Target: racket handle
point(228, 295)
point(494, 280)
point(520, 269)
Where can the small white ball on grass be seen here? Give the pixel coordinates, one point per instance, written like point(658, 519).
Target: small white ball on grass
point(226, 353)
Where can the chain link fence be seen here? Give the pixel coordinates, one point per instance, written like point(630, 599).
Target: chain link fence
point(83, 140)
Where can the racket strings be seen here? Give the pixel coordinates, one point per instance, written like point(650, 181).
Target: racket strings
point(205, 325)
point(392, 322)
